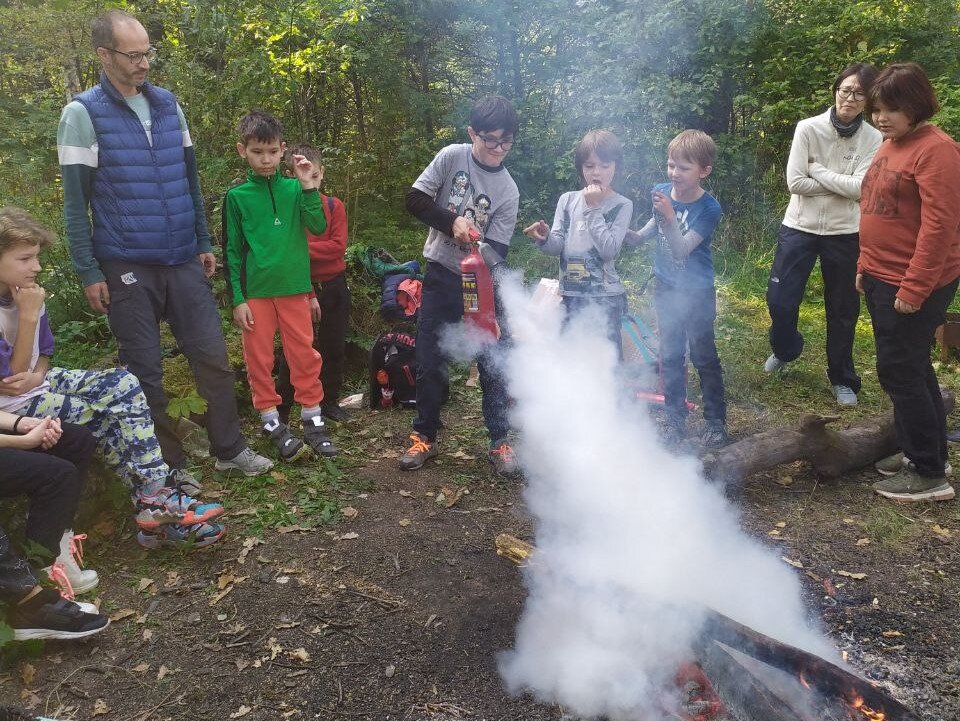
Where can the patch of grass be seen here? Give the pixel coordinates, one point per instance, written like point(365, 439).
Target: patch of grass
point(884, 524)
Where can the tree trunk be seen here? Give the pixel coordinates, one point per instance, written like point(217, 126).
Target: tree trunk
point(831, 452)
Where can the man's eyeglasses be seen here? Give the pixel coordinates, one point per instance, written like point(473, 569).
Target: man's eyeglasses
point(137, 58)
point(494, 143)
point(847, 93)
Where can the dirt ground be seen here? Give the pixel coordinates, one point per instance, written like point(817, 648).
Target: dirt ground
point(399, 611)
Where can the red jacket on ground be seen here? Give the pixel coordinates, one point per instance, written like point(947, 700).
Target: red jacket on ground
point(910, 214)
point(327, 250)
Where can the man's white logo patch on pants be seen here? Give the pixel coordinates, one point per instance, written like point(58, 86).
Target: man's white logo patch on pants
point(128, 278)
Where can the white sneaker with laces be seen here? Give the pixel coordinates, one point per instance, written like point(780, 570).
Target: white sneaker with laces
point(247, 462)
point(845, 395)
point(70, 561)
point(773, 364)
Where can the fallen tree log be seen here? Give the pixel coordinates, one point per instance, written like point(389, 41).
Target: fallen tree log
point(831, 452)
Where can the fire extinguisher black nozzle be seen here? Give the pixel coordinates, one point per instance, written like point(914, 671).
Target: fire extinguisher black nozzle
point(490, 256)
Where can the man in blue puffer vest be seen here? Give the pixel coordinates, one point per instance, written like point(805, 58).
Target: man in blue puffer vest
point(138, 235)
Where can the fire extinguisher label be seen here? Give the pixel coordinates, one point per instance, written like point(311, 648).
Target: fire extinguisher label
point(471, 296)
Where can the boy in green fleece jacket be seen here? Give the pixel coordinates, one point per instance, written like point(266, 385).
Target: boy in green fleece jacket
point(268, 277)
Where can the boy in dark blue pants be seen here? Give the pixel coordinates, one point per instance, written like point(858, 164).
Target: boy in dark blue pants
point(684, 219)
point(464, 188)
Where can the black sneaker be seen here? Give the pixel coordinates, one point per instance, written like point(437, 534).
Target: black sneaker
point(50, 615)
point(315, 434)
point(714, 435)
point(290, 448)
point(673, 432)
point(335, 413)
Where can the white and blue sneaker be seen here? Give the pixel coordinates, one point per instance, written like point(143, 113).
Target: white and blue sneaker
point(174, 536)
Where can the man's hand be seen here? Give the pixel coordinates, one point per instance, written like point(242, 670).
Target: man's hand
point(209, 263)
point(537, 231)
point(315, 310)
point(858, 283)
point(593, 195)
point(901, 306)
point(303, 170)
point(20, 383)
point(29, 300)
point(461, 230)
point(664, 206)
point(243, 317)
point(98, 296)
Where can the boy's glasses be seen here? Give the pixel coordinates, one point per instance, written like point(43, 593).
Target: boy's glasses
point(847, 93)
point(137, 58)
point(494, 143)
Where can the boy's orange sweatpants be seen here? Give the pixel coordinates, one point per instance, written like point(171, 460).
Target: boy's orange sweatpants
point(291, 316)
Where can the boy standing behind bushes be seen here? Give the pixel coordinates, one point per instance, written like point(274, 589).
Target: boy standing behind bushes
point(268, 271)
point(331, 304)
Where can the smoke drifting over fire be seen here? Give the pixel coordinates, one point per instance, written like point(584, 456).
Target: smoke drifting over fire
point(631, 540)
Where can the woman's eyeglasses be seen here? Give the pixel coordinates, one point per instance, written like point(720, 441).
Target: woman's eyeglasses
point(847, 93)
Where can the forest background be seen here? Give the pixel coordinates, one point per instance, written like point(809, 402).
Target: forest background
point(381, 85)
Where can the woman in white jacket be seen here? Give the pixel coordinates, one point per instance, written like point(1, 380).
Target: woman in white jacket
point(828, 158)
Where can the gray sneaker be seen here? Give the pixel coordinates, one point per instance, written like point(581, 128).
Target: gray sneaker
point(247, 462)
point(184, 480)
point(420, 451)
point(192, 437)
point(503, 459)
point(773, 364)
point(891, 465)
point(910, 487)
point(845, 395)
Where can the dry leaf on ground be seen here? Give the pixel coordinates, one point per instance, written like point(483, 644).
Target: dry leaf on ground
point(299, 654)
point(855, 576)
point(27, 674)
point(100, 708)
point(248, 544)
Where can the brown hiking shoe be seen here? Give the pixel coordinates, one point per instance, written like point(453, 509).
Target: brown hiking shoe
point(420, 451)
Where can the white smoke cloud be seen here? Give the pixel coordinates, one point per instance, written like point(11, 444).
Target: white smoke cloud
point(631, 539)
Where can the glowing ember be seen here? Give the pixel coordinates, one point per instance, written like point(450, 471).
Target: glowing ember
point(803, 680)
point(867, 711)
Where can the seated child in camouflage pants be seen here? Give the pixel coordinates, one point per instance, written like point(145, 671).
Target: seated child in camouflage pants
point(109, 403)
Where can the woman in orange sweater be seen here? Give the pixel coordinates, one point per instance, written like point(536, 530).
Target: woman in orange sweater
point(908, 271)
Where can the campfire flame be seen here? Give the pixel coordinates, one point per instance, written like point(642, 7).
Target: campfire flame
point(803, 680)
point(868, 712)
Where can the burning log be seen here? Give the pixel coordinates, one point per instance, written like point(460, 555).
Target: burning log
point(837, 691)
point(831, 452)
point(739, 674)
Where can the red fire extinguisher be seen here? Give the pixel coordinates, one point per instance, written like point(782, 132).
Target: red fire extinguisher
point(477, 284)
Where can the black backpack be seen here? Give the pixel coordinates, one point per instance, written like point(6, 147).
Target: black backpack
point(393, 370)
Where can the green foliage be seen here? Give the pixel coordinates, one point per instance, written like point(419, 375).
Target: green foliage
point(381, 85)
point(186, 405)
point(6, 634)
